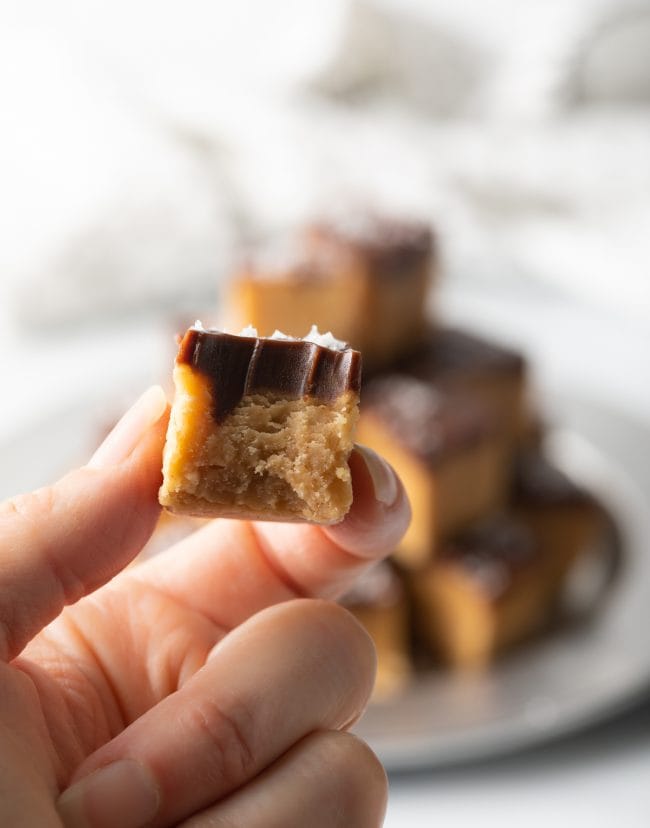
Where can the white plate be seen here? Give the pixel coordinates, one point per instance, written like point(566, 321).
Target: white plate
point(576, 676)
point(573, 677)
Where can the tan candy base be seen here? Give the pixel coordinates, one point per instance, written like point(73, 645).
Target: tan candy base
point(465, 628)
point(468, 484)
point(270, 459)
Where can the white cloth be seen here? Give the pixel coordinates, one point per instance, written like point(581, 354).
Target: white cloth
point(142, 139)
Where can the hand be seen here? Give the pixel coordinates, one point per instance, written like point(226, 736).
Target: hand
point(205, 687)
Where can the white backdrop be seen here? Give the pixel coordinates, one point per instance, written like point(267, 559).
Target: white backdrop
point(140, 140)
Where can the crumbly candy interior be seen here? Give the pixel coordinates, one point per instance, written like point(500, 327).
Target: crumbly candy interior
point(269, 458)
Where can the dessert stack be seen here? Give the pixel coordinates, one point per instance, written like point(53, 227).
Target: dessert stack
point(496, 530)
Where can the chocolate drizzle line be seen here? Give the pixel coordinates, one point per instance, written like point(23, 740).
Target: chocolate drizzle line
point(238, 366)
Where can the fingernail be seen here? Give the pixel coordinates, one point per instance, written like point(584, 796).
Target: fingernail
point(130, 429)
point(123, 793)
point(383, 477)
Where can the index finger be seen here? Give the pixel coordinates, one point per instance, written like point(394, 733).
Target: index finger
point(230, 569)
point(63, 541)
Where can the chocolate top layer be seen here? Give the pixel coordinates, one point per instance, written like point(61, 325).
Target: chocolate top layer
point(390, 245)
point(238, 366)
point(427, 420)
point(493, 553)
point(538, 484)
point(449, 353)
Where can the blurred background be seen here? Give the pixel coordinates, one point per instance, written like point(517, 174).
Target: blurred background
point(144, 144)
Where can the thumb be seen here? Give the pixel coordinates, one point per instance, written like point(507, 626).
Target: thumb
point(63, 541)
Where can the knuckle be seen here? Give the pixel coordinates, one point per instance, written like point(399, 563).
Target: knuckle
point(29, 510)
point(228, 743)
point(31, 504)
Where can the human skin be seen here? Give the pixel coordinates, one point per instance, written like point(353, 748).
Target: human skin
point(209, 686)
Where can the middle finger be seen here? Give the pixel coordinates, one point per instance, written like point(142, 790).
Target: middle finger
point(289, 670)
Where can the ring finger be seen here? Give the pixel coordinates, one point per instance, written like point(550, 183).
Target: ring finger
point(328, 780)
